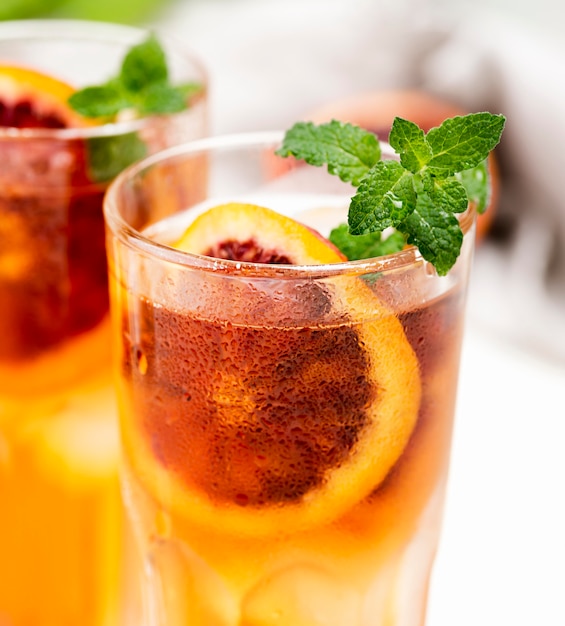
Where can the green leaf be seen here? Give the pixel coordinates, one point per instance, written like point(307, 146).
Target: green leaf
point(385, 198)
point(365, 246)
point(477, 184)
point(109, 155)
point(449, 195)
point(438, 174)
point(189, 90)
point(409, 141)
point(142, 84)
point(104, 101)
point(161, 98)
point(144, 65)
point(347, 150)
point(435, 232)
point(462, 142)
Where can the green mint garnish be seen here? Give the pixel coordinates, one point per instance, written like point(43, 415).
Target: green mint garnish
point(109, 155)
point(348, 151)
point(142, 85)
point(437, 175)
point(474, 182)
point(365, 246)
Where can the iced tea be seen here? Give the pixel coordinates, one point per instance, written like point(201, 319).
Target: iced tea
point(285, 426)
point(61, 528)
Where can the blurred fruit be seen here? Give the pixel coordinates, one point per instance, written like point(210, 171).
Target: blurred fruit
point(30, 99)
point(376, 111)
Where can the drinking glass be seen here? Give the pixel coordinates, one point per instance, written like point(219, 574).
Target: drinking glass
point(61, 531)
point(285, 428)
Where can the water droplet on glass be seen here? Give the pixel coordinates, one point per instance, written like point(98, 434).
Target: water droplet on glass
point(141, 361)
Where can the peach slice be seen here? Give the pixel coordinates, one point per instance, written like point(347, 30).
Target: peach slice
point(293, 425)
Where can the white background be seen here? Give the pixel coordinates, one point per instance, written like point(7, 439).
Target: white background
point(502, 556)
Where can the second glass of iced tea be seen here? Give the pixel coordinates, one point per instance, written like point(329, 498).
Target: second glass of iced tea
point(285, 425)
point(61, 533)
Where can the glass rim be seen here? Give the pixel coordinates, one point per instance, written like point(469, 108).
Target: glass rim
point(132, 237)
point(92, 30)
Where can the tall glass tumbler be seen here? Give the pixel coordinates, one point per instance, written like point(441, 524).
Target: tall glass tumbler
point(61, 520)
point(285, 427)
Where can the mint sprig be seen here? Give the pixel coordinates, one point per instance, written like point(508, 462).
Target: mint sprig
point(142, 85)
point(438, 173)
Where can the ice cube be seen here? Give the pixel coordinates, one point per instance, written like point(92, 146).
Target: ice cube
point(303, 595)
point(186, 590)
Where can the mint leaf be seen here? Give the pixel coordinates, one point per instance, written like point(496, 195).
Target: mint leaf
point(109, 155)
point(142, 84)
point(449, 195)
point(474, 182)
point(385, 198)
point(437, 175)
point(462, 142)
point(104, 101)
point(409, 141)
point(435, 232)
point(348, 151)
point(144, 65)
point(161, 98)
point(357, 247)
point(189, 90)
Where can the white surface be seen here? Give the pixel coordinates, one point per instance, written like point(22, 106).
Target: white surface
point(502, 555)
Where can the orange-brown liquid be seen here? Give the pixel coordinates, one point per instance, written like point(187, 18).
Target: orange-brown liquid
point(253, 417)
point(53, 283)
point(60, 527)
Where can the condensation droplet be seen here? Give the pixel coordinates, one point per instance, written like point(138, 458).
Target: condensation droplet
point(141, 361)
